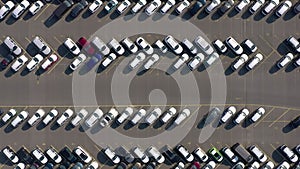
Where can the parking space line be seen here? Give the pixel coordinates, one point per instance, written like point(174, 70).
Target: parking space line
point(113, 65)
point(267, 42)
point(263, 117)
point(55, 38)
point(279, 117)
point(41, 12)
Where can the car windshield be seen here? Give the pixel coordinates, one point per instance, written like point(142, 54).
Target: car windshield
point(35, 59)
point(37, 115)
point(83, 156)
point(97, 3)
point(80, 59)
point(21, 116)
point(107, 118)
point(66, 115)
point(23, 6)
point(20, 60)
point(51, 114)
point(155, 4)
point(125, 3)
point(185, 4)
point(81, 115)
point(118, 48)
point(147, 47)
point(131, 47)
point(37, 4)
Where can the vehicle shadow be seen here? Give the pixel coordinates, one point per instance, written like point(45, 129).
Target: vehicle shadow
point(69, 127)
point(102, 14)
point(31, 49)
point(243, 71)
point(128, 125)
point(229, 71)
point(26, 127)
point(282, 49)
point(101, 157)
point(232, 13)
point(9, 128)
point(86, 14)
point(25, 72)
point(157, 124)
point(229, 125)
point(202, 15)
point(274, 69)
point(50, 21)
point(142, 126)
point(216, 15)
point(39, 71)
point(11, 20)
point(258, 16)
point(83, 127)
point(246, 14)
point(69, 18)
point(27, 16)
point(129, 15)
point(9, 73)
point(289, 14)
point(272, 18)
point(173, 15)
point(288, 128)
point(277, 157)
point(63, 51)
point(40, 126)
point(114, 15)
point(290, 67)
point(54, 126)
point(186, 16)
point(5, 161)
point(95, 129)
point(246, 123)
point(68, 71)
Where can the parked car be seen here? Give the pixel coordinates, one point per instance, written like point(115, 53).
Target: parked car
point(20, 9)
point(79, 117)
point(41, 45)
point(284, 165)
point(212, 6)
point(180, 165)
point(230, 155)
point(289, 154)
point(95, 6)
point(258, 153)
point(100, 45)
point(78, 61)
point(194, 63)
point(225, 7)
point(182, 116)
point(268, 165)
point(153, 115)
point(112, 155)
point(94, 117)
point(10, 154)
point(238, 165)
point(64, 117)
point(50, 116)
point(296, 122)
point(20, 166)
point(157, 156)
point(204, 45)
point(142, 43)
point(167, 6)
point(10, 114)
point(63, 8)
point(138, 116)
point(228, 114)
point(255, 60)
point(270, 6)
point(216, 155)
point(189, 45)
point(161, 46)
point(82, 154)
point(256, 6)
point(220, 45)
point(138, 6)
point(234, 45)
point(123, 6)
point(254, 165)
point(125, 115)
point(6, 8)
point(72, 46)
point(173, 44)
point(285, 60)
point(239, 62)
point(109, 117)
point(49, 61)
point(122, 151)
point(197, 6)
point(140, 57)
point(213, 115)
point(170, 154)
point(151, 61)
point(84, 44)
point(181, 60)
point(195, 165)
point(130, 45)
point(77, 165)
point(168, 115)
point(34, 62)
point(242, 5)
point(294, 43)
point(183, 5)
point(19, 119)
point(201, 154)
point(107, 61)
point(39, 155)
point(36, 7)
point(115, 45)
point(12, 45)
point(19, 63)
point(67, 154)
point(25, 155)
point(93, 165)
point(250, 45)
point(258, 114)
point(185, 153)
point(297, 149)
point(6, 61)
point(297, 8)
point(210, 165)
point(53, 155)
point(283, 8)
point(37, 116)
point(111, 5)
point(243, 153)
point(140, 155)
point(243, 114)
point(152, 7)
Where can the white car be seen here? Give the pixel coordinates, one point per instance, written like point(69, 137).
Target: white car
point(141, 155)
point(254, 165)
point(34, 62)
point(6, 8)
point(210, 165)
point(153, 152)
point(168, 115)
point(258, 153)
point(183, 5)
point(211, 59)
point(94, 117)
point(204, 45)
point(79, 117)
point(168, 5)
point(95, 6)
point(256, 59)
point(115, 45)
point(93, 165)
point(239, 62)
point(161, 46)
point(234, 45)
point(220, 46)
point(11, 113)
point(78, 61)
point(145, 45)
point(212, 5)
point(72, 46)
point(268, 165)
point(100, 45)
point(153, 6)
point(201, 154)
point(125, 114)
point(152, 116)
point(173, 44)
point(182, 116)
point(283, 8)
point(151, 61)
point(230, 155)
point(289, 154)
point(39, 155)
point(258, 114)
point(82, 154)
point(193, 64)
point(242, 5)
point(138, 6)
point(36, 7)
point(228, 113)
point(285, 60)
point(19, 119)
point(250, 45)
point(12, 46)
point(123, 6)
point(244, 113)
point(180, 165)
point(294, 43)
point(140, 57)
point(21, 61)
point(188, 44)
point(20, 9)
point(49, 61)
point(37, 115)
point(52, 153)
point(41, 45)
point(50, 116)
point(183, 58)
point(107, 61)
point(256, 6)
point(130, 45)
point(272, 4)
point(10, 154)
point(112, 155)
point(64, 117)
point(108, 117)
point(284, 165)
point(138, 116)
point(185, 153)
point(297, 62)
point(20, 165)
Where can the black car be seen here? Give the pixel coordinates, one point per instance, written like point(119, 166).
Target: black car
point(151, 166)
point(78, 165)
point(48, 166)
point(25, 156)
point(296, 122)
point(6, 61)
point(79, 7)
point(64, 165)
point(68, 155)
point(167, 152)
point(225, 7)
point(63, 8)
point(196, 7)
point(122, 165)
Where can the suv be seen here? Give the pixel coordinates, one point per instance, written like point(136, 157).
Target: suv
point(41, 45)
point(289, 154)
point(12, 46)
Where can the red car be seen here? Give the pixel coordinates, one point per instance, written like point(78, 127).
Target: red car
point(196, 165)
point(84, 44)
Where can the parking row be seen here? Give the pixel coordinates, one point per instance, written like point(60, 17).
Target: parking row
point(237, 156)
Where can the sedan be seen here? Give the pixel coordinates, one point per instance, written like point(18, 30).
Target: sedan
point(130, 45)
point(153, 152)
point(289, 154)
point(234, 45)
point(79, 117)
point(239, 62)
point(216, 155)
point(12, 45)
point(284, 165)
point(244, 113)
point(138, 6)
point(250, 45)
point(242, 5)
point(36, 7)
point(256, 6)
point(95, 6)
point(78, 61)
point(82, 154)
point(94, 117)
point(210, 165)
point(183, 5)
point(173, 44)
point(258, 114)
point(230, 155)
point(270, 7)
point(151, 61)
point(212, 6)
point(182, 116)
point(19, 119)
point(19, 63)
point(41, 45)
point(225, 7)
point(112, 155)
point(220, 46)
point(201, 154)
point(123, 6)
point(138, 116)
point(141, 155)
point(228, 113)
point(54, 156)
point(107, 61)
point(152, 116)
point(50, 116)
point(20, 9)
point(167, 6)
point(11, 113)
point(6, 61)
point(153, 6)
point(137, 60)
point(125, 114)
point(294, 43)
point(204, 45)
point(49, 62)
point(283, 8)
point(161, 46)
point(109, 117)
point(168, 115)
point(78, 8)
point(189, 45)
point(268, 165)
point(185, 153)
point(144, 45)
point(111, 5)
point(10, 154)
point(180, 61)
point(64, 117)
point(71, 45)
point(258, 153)
point(285, 60)
point(34, 62)
point(253, 63)
point(85, 45)
point(116, 46)
point(4, 10)
point(193, 64)
point(37, 115)
point(39, 155)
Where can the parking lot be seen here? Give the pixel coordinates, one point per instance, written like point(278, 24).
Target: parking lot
point(265, 86)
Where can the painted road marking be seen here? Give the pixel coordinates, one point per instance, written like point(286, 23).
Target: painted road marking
point(279, 117)
point(41, 12)
point(263, 117)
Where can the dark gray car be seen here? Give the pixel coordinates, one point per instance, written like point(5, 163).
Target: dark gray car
point(78, 8)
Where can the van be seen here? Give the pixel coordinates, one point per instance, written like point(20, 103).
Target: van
point(243, 153)
point(63, 8)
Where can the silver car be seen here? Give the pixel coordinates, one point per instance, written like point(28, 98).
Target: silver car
point(12, 46)
point(204, 45)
